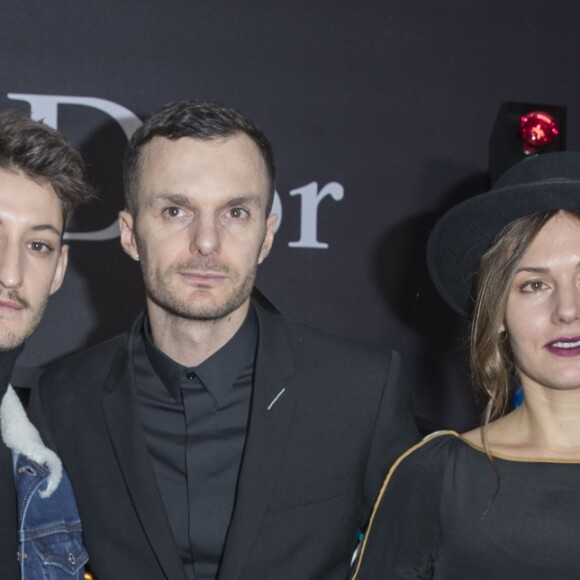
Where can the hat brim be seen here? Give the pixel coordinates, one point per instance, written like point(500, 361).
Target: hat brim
point(465, 233)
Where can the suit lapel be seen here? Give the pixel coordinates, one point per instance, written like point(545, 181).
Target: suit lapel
point(270, 420)
point(123, 423)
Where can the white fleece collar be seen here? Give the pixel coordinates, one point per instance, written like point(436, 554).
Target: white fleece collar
point(21, 437)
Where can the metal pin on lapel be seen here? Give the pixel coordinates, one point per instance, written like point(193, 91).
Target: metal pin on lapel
point(276, 398)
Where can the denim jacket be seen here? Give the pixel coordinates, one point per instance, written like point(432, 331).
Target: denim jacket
point(49, 528)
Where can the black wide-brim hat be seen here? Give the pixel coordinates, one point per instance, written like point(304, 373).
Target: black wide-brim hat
point(460, 238)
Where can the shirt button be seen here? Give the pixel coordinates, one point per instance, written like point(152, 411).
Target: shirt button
point(190, 376)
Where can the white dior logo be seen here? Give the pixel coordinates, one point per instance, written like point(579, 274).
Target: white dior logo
point(45, 107)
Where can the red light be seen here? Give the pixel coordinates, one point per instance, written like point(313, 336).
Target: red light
point(537, 129)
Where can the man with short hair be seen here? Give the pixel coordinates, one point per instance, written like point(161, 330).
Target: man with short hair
point(41, 183)
point(218, 439)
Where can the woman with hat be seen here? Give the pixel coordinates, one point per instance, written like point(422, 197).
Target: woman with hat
point(502, 501)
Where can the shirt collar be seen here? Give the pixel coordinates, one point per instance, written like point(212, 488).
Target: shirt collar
point(219, 372)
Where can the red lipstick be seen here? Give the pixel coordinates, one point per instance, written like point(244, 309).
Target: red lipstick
point(565, 346)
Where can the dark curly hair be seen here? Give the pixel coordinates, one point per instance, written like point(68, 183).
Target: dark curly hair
point(45, 156)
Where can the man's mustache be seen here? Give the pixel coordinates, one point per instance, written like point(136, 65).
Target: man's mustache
point(15, 297)
point(202, 265)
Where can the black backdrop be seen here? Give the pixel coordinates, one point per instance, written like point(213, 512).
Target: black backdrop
point(382, 109)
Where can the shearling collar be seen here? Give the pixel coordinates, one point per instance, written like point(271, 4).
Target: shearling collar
point(21, 437)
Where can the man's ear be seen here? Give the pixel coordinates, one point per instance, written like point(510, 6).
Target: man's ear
point(268, 238)
point(126, 225)
point(60, 269)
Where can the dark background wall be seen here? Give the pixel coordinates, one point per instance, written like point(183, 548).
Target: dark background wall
point(387, 104)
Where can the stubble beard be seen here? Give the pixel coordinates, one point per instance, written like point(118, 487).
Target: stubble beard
point(158, 286)
point(10, 339)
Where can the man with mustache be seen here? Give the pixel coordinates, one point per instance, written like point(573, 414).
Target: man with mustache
point(41, 183)
point(218, 439)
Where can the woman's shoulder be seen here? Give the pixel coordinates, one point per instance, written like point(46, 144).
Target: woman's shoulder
point(433, 452)
point(436, 444)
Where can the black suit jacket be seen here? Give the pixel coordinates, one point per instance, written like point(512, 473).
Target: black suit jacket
point(312, 466)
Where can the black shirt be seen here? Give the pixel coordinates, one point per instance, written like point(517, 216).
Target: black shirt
point(195, 422)
point(447, 512)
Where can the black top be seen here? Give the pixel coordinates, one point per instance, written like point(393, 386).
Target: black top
point(445, 515)
point(195, 421)
point(8, 506)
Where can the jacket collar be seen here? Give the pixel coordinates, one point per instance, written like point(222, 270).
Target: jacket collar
point(273, 405)
point(21, 437)
point(270, 421)
point(124, 427)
